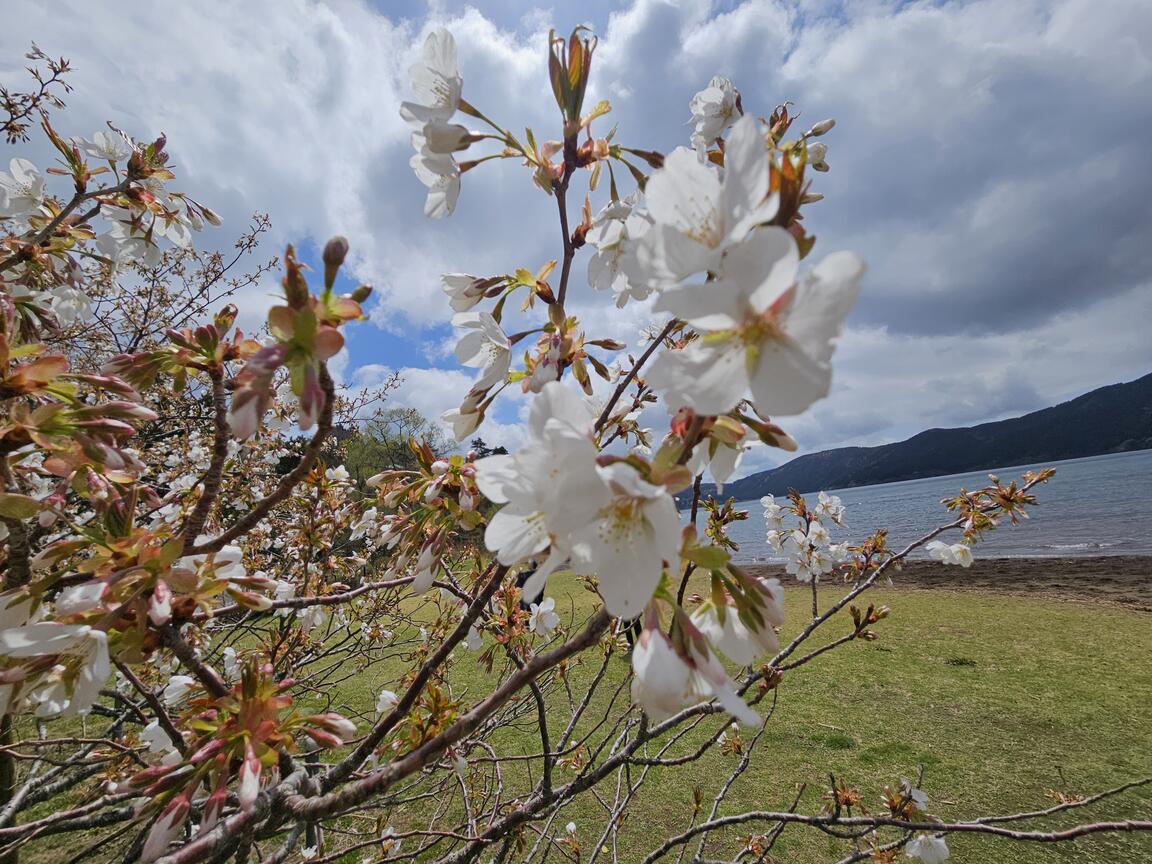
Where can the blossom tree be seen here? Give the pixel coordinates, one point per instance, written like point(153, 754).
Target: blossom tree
point(193, 593)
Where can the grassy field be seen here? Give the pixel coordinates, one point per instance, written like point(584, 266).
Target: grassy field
point(1000, 699)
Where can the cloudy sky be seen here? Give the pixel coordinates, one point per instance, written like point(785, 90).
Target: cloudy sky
point(990, 162)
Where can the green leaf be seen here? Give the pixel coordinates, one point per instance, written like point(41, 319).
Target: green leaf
point(13, 506)
point(707, 557)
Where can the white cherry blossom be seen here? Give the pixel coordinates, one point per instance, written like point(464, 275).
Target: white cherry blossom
point(441, 175)
point(82, 668)
point(77, 599)
point(105, 145)
point(662, 682)
point(950, 553)
point(339, 474)
point(549, 488)
point(733, 637)
point(436, 82)
point(473, 641)
point(542, 617)
point(386, 701)
point(156, 738)
point(126, 240)
point(284, 590)
point(927, 849)
point(464, 420)
point(69, 304)
point(627, 542)
point(698, 215)
point(365, 525)
point(713, 110)
point(773, 513)
point(463, 291)
point(817, 153)
point(830, 506)
point(427, 565)
point(312, 618)
point(720, 459)
point(811, 555)
point(231, 664)
point(615, 265)
point(441, 137)
point(763, 330)
point(177, 689)
point(22, 190)
point(919, 796)
point(484, 346)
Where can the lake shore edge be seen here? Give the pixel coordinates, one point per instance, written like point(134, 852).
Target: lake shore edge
point(1124, 580)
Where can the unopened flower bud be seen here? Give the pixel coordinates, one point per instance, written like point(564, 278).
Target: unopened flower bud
point(821, 128)
point(335, 251)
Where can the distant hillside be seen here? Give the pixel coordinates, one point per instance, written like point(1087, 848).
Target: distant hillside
point(1109, 420)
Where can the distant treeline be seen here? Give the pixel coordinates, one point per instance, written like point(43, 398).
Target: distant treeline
point(1111, 419)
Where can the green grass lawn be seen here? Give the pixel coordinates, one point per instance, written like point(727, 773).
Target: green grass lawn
point(1001, 699)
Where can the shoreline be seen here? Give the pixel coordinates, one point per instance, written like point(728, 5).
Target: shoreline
point(1124, 580)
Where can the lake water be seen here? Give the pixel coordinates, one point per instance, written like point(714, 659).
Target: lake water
point(1100, 505)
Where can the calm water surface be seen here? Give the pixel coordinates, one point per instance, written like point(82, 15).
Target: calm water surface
point(1101, 505)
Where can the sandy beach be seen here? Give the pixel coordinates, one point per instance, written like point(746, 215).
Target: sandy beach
point(1120, 579)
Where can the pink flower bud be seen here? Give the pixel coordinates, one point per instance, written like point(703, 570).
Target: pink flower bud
point(160, 606)
point(165, 829)
point(335, 251)
point(249, 787)
point(336, 724)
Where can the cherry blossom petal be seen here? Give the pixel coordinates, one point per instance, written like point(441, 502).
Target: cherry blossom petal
point(823, 299)
point(744, 198)
point(710, 378)
point(684, 194)
point(516, 536)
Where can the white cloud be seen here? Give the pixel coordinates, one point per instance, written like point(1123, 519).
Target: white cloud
point(990, 162)
point(433, 391)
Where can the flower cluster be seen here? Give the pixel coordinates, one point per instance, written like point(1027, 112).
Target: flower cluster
point(437, 85)
point(950, 553)
point(808, 546)
point(714, 231)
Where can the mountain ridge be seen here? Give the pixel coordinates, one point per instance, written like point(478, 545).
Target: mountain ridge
point(1112, 419)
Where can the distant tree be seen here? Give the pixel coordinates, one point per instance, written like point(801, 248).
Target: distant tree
point(481, 449)
point(381, 443)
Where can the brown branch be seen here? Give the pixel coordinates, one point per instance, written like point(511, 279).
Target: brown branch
point(253, 517)
point(632, 373)
point(382, 779)
point(213, 477)
point(826, 822)
point(403, 706)
point(47, 231)
point(156, 705)
point(170, 637)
